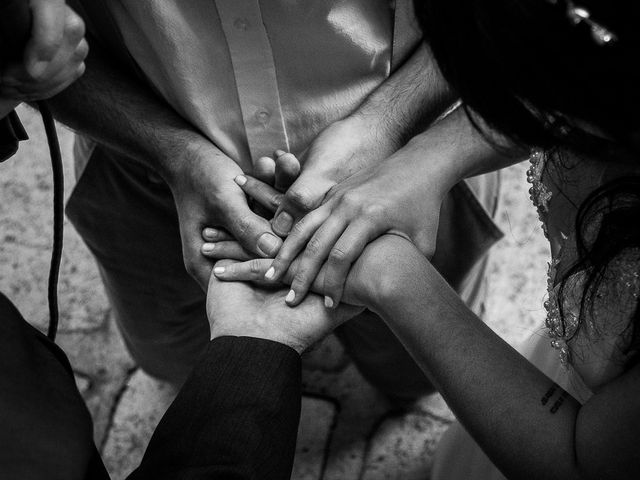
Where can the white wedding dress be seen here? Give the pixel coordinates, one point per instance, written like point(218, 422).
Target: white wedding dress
point(593, 356)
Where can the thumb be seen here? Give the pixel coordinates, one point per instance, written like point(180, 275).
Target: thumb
point(304, 195)
point(252, 231)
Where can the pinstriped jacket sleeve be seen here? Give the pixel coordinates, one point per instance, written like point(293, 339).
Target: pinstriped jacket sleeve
point(236, 417)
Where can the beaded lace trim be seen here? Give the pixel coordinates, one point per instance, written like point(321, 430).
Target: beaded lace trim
point(558, 331)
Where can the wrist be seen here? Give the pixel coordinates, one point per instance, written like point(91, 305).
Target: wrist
point(177, 158)
point(375, 129)
point(260, 328)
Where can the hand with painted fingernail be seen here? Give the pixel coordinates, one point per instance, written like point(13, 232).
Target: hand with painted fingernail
point(53, 57)
point(213, 212)
point(402, 195)
point(263, 192)
point(374, 274)
point(241, 309)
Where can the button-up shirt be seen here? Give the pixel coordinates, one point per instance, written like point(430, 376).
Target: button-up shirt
point(259, 75)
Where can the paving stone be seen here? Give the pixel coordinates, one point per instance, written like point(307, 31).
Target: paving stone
point(328, 356)
point(83, 383)
point(141, 406)
point(402, 448)
point(361, 407)
point(26, 208)
point(100, 356)
point(317, 418)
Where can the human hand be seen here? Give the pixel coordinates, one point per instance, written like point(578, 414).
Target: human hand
point(379, 275)
point(401, 196)
point(272, 177)
point(342, 149)
point(53, 57)
point(242, 309)
point(206, 195)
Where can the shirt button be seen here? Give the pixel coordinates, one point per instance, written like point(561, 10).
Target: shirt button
point(241, 23)
point(263, 116)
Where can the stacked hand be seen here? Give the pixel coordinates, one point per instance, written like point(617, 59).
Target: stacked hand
point(397, 196)
point(206, 196)
point(242, 309)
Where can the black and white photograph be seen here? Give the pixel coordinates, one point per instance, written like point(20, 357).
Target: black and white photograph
point(319, 239)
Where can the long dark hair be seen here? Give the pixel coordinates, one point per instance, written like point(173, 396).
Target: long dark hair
point(529, 77)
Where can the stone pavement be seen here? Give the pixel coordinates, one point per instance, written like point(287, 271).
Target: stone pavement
point(347, 431)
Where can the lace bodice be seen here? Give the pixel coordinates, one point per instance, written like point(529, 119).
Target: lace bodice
point(595, 344)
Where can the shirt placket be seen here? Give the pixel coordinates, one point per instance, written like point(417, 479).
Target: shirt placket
point(255, 75)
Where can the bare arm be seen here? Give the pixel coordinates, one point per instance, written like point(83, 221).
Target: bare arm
point(405, 104)
point(498, 395)
point(120, 112)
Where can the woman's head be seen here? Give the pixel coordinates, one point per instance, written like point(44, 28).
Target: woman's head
point(530, 74)
point(533, 75)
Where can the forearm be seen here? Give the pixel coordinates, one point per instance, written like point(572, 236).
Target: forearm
point(452, 150)
point(115, 109)
point(495, 393)
point(410, 100)
point(235, 417)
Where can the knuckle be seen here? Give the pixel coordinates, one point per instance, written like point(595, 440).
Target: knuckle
point(255, 266)
point(313, 247)
point(299, 279)
point(301, 198)
point(74, 28)
point(351, 200)
point(299, 228)
point(81, 51)
point(373, 210)
point(242, 225)
point(338, 256)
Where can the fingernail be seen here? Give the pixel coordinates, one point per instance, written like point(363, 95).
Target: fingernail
point(219, 270)
point(279, 153)
point(210, 232)
point(291, 296)
point(208, 247)
point(269, 244)
point(240, 180)
point(37, 68)
point(270, 273)
point(283, 223)
point(328, 302)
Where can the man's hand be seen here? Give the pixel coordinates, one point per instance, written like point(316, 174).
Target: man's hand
point(242, 309)
point(385, 265)
point(206, 195)
point(402, 195)
point(53, 58)
point(342, 149)
point(404, 105)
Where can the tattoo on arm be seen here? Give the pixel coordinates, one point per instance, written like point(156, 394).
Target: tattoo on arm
point(554, 391)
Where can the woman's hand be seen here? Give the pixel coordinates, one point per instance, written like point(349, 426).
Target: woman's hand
point(387, 265)
point(53, 57)
point(402, 195)
point(241, 309)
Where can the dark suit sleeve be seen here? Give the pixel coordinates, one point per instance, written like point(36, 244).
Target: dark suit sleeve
point(236, 417)
point(11, 133)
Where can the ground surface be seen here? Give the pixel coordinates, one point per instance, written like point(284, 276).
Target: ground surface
point(346, 431)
